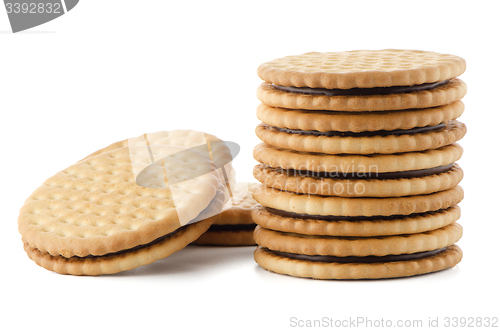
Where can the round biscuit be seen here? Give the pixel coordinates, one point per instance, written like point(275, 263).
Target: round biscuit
point(344, 163)
point(95, 207)
point(451, 92)
point(285, 181)
point(379, 144)
point(363, 228)
point(361, 69)
point(339, 206)
point(316, 270)
point(358, 246)
point(324, 121)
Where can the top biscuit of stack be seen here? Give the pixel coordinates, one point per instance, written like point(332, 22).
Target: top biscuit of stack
point(362, 69)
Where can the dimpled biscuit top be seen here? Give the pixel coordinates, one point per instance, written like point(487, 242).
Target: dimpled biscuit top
point(95, 207)
point(361, 69)
point(184, 138)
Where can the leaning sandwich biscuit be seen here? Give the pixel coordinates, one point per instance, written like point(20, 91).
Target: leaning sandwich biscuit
point(121, 209)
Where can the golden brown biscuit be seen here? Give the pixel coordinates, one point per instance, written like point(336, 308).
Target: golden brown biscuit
point(301, 182)
point(306, 269)
point(344, 163)
point(358, 246)
point(361, 69)
point(364, 227)
point(307, 204)
point(335, 142)
point(325, 121)
point(97, 207)
point(118, 262)
point(453, 91)
point(234, 226)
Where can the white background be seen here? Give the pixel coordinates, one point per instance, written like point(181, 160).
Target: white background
point(114, 69)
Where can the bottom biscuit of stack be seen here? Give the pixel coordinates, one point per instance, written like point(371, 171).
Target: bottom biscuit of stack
point(329, 237)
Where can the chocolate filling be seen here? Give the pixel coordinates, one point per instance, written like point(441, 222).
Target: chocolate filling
point(360, 259)
point(289, 214)
point(359, 134)
point(361, 91)
point(370, 175)
point(157, 240)
point(232, 227)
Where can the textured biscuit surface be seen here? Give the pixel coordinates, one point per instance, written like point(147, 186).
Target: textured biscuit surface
point(386, 144)
point(377, 163)
point(324, 121)
point(240, 206)
point(289, 181)
point(453, 91)
point(95, 207)
point(340, 206)
point(317, 270)
point(114, 263)
point(362, 228)
point(355, 246)
point(202, 142)
point(181, 138)
point(361, 69)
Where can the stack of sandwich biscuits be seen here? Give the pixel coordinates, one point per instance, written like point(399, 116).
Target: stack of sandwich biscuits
point(358, 164)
